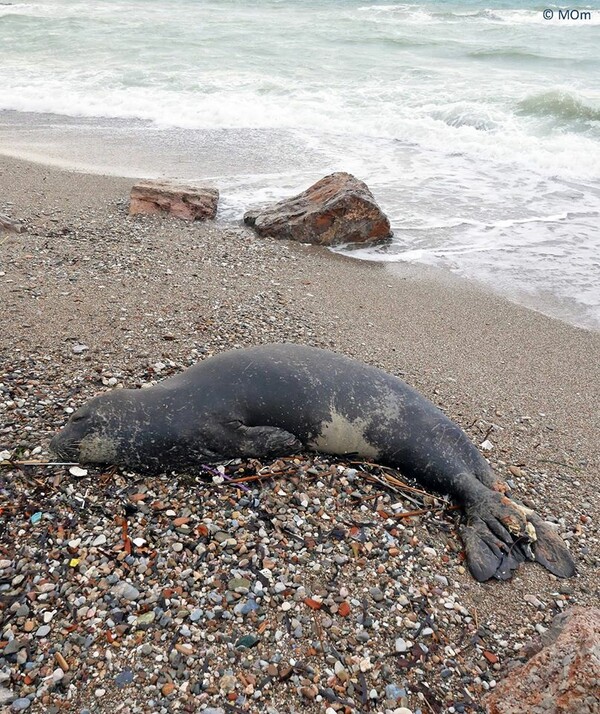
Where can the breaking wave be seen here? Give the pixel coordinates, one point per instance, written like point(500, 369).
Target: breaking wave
point(559, 105)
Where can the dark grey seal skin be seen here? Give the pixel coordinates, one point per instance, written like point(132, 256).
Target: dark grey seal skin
point(277, 399)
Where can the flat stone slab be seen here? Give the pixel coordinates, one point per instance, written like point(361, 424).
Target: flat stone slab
point(189, 203)
point(337, 209)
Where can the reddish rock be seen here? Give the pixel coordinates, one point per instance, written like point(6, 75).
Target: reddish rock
point(167, 689)
point(344, 609)
point(187, 202)
point(337, 209)
point(312, 603)
point(562, 677)
point(490, 656)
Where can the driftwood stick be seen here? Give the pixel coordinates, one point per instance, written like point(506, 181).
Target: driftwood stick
point(10, 463)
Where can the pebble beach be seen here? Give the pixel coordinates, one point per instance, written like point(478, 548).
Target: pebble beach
point(302, 585)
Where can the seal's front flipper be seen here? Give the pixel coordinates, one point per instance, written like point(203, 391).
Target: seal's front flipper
point(549, 548)
point(487, 556)
point(265, 441)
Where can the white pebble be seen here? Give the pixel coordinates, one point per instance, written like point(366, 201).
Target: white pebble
point(401, 645)
point(77, 471)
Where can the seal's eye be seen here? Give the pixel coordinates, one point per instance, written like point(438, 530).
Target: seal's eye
point(77, 417)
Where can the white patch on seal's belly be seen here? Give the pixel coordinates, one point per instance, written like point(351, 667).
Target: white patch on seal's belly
point(341, 436)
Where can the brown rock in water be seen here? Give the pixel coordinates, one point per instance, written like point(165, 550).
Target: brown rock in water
point(337, 209)
point(562, 677)
point(187, 202)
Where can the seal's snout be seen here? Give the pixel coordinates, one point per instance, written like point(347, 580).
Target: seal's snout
point(66, 443)
point(63, 447)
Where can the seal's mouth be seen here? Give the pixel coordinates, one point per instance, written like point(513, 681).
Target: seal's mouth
point(64, 450)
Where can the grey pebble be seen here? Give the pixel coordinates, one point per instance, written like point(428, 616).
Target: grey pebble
point(377, 594)
point(6, 696)
point(240, 585)
point(124, 678)
point(20, 704)
point(13, 646)
point(393, 691)
point(126, 591)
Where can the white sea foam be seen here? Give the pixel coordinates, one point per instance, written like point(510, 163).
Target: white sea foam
point(399, 14)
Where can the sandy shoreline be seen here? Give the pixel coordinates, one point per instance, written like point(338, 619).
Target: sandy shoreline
point(252, 165)
point(141, 291)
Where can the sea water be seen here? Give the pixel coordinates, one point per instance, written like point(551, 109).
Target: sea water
point(476, 123)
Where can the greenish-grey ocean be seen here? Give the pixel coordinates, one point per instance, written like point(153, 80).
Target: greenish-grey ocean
point(476, 123)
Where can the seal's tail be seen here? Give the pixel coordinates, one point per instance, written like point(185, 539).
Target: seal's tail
point(501, 533)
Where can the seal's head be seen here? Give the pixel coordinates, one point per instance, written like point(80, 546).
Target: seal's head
point(97, 432)
point(127, 428)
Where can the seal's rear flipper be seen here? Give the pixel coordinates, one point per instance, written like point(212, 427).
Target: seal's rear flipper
point(501, 533)
point(549, 549)
point(487, 556)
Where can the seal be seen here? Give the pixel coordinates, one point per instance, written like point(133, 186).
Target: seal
point(278, 399)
